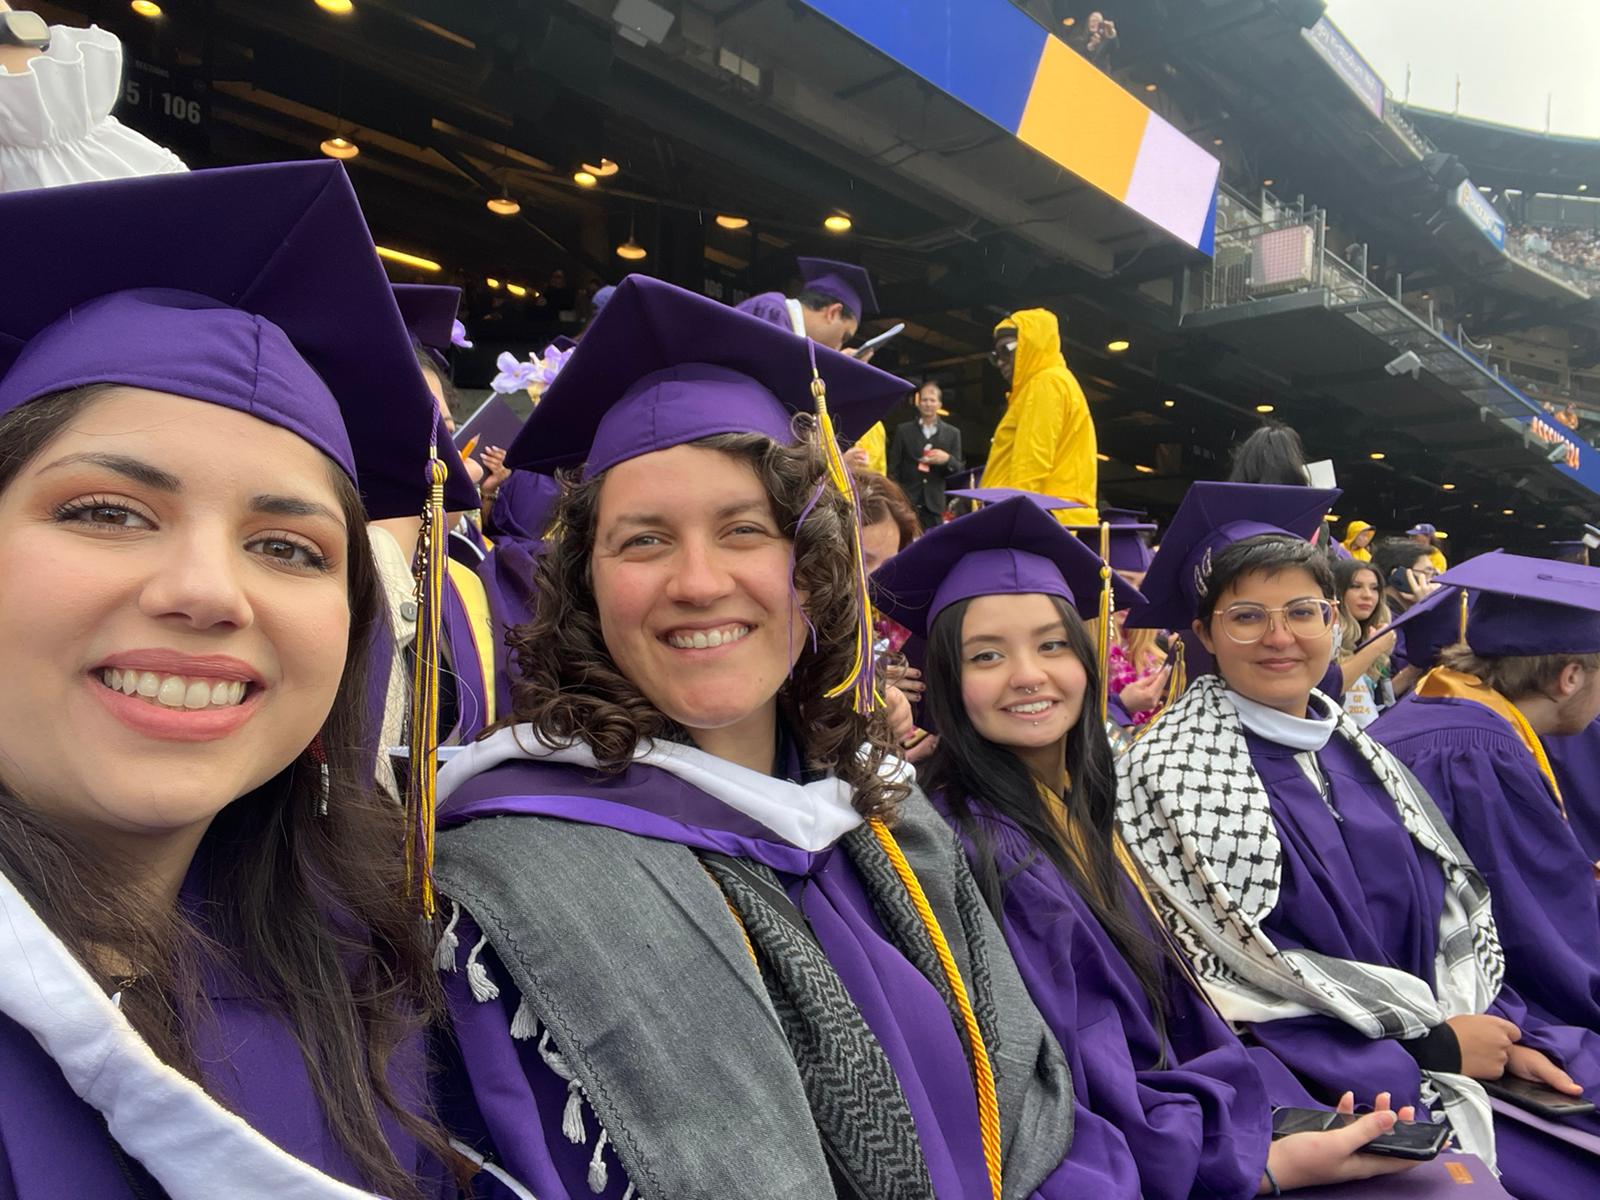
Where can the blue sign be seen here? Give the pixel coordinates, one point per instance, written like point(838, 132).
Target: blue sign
point(1347, 64)
point(1475, 207)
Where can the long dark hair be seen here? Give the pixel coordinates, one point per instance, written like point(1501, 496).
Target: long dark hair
point(979, 778)
point(571, 690)
point(305, 910)
point(1272, 454)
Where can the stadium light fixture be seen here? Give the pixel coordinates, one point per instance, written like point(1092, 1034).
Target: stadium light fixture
point(1216, 141)
point(503, 206)
point(1449, 487)
point(492, 282)
point(1149, 87)
point(1144, 470)
point(729, 221)
point(1583, 187)
point(1118, 345)
point(1102, 457)
point(339, 147)
point(1508, 512)
point(146, 8)
point(1377, 456)
point(1266, 408)
point(837, 223)
point(1268, 182)
point(1169, 404)
point(585, 178)
point(517, 290)
point(408, 260)
point(1069, 22)
point(339, 8)
point(604, 169)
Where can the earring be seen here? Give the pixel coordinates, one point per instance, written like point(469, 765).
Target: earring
point(318, 755)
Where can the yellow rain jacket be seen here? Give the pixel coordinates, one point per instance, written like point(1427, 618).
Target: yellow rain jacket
point(875, 442)
point(1045, 442)
point(1352, 531)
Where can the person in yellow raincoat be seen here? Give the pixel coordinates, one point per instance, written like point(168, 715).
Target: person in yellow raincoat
point(1358, 537)
point(1045, 442)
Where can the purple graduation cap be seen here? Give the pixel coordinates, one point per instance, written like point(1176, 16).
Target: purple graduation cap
point(256, 288)
point(662, 366)
point(1527, 606)
point(845, 282)
point(429, 311)
point(1010, 548)
point(994, 495)
point(1424, 629)
point(1211, 518)
point(1128, 550)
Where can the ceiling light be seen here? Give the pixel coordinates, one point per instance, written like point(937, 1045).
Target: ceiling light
point(729, 221)
point(146, 8)
point(339, 8)
point(503, 206)
point(1268, 182)
point(1144, 470)
point(517, 290)
point(1265, 408)
point(1103, 457)
point(631, 250)
point(1377, 456)
point(1540, 525)
point(1118, 346)
point(605, 168)
point(1508, 512)
point(585, 178)
point(1583, 187)
point(1149, 87)
point(492, 282)
point(837, 223)
point(339, 147)
point(1449, 487)
point(409, 260)
point(1169, 404)
point(1216, 141)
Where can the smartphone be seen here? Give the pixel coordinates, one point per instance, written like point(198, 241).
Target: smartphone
point(1536, 1097)
point(1415, 1140)
point(874, 343)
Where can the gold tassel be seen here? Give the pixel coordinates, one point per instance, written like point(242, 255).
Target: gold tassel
point(860, 679)
point(1176, 682)
point(1463, 636)
point(421, 793)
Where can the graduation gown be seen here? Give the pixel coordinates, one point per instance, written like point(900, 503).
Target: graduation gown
point(1491, 791)
point(1194, 1096)
point(1386, 911)
point(467, 691)
point(54, 1144)
point(520, 1105)
point(521, 512)
point(1576, 762)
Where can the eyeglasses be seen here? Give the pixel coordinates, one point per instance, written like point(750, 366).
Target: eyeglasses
point(1003, 350)
point(1247, 623)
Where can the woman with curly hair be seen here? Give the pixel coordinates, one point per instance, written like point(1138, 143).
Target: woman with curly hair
point(704, 937)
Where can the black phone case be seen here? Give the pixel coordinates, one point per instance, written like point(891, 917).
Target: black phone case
point(1417, 1141)
point(1536, 1098)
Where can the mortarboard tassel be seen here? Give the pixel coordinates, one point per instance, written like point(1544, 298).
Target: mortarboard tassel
point(1463, 636)
point(424, 733)
point(1103, 634)
point(861, 678)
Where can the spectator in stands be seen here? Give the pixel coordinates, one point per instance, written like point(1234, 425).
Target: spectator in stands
point(1426, 535)
point(925, 452)
point(1407, 572)
point(1097, 40)
point(1358, 537)
point(1362, 613)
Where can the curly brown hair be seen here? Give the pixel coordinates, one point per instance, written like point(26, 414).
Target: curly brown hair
point(571, 690)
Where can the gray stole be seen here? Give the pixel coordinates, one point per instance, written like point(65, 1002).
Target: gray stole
point(596, 926)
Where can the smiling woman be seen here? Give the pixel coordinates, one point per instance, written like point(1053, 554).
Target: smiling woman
point(693, 911)
point(188, 881)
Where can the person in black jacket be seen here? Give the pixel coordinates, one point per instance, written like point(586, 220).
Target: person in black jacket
point(923, 454)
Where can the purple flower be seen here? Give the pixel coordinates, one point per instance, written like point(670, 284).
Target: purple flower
point(458, 335)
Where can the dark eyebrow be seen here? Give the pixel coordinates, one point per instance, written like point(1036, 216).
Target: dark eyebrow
point(1051, 627)
point(132, 468)
point(722, 514)
point(293, 506)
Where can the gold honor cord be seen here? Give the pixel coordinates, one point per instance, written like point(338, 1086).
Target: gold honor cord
point(860, 679)
point(982, 1068)
point(421, 792)
point(1102, 647)
point(1463, 636)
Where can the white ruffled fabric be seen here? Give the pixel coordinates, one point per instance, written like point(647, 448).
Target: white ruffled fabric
point(56, 125)
point(185, 1139)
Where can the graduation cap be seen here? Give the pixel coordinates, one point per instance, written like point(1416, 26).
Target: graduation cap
point(661, 366)
point(994, 495)
point(1010, 548)
point(1212, 517)
point(845, 282)
point(1528, 606)
point(1424, 629)
point(255, 288)
point(429, 311)
point(494, 424)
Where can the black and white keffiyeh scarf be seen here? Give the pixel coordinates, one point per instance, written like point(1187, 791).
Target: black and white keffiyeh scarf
point(1196, 814)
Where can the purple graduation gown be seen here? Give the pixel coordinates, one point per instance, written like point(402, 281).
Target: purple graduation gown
point(771, 307)
point(461, 636)
point(1205, 1111)
point(1490, 790)
point(1576, 762)
point(54, 1145)
point(519, 1100)
point(1386, 911)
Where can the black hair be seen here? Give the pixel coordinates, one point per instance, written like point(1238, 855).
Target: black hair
point(817, 301)
point(1265, 554)
point(428, 363)
point(1396, 554)
point(982, 781)
point(1272, 454)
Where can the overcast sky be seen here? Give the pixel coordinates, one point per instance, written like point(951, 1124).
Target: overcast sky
point(1510, 54)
